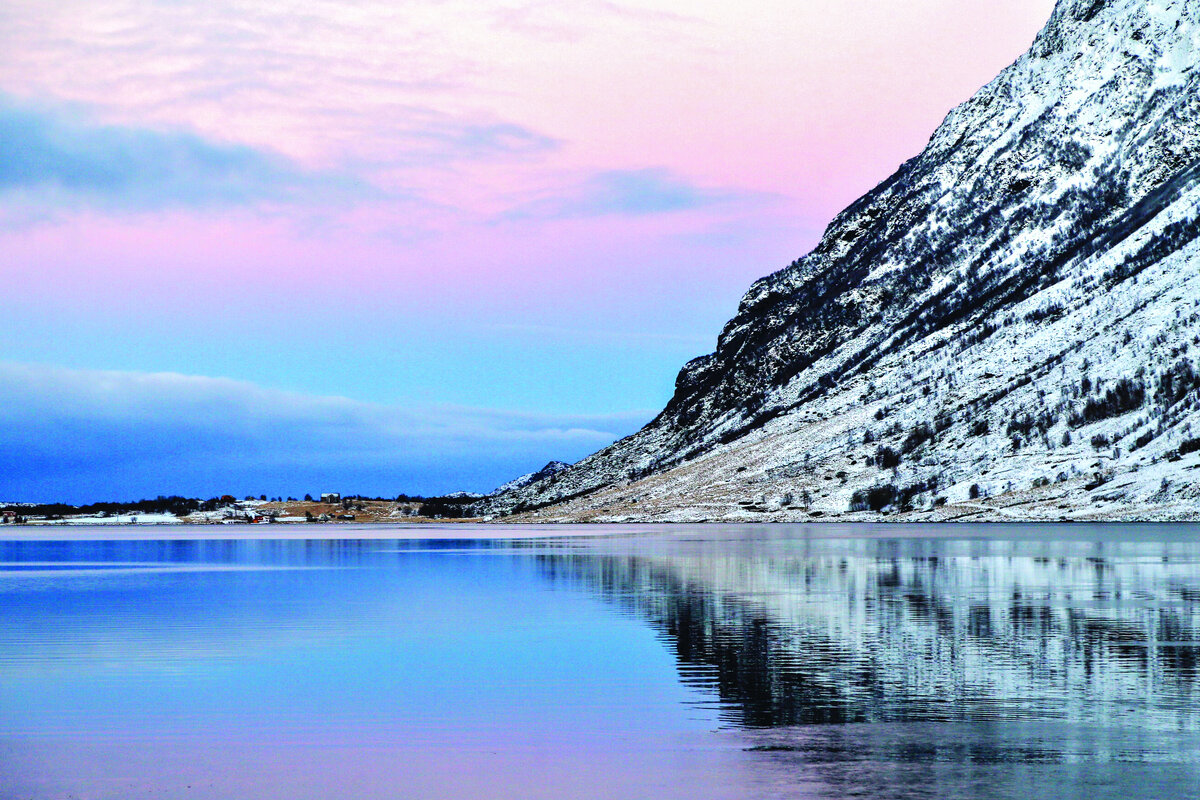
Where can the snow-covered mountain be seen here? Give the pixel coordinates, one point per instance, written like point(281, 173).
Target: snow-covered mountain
point(1007, 326)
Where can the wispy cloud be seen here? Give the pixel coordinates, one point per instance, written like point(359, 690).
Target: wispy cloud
point(631, 193)
point(473, 140)
point(51, 156)
point(89, 434)
point(426, 137)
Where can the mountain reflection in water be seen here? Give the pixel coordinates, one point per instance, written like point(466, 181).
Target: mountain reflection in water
point(954, 662)
point(841, 631)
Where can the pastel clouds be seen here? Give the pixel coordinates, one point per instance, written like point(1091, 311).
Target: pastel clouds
point(816, 100)
point(56, 156)
point(633, 193)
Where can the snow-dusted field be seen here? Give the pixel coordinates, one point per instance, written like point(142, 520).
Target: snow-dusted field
point(115, 519)
point(331, 531)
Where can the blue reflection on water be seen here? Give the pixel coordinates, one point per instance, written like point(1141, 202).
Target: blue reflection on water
point(708, 662)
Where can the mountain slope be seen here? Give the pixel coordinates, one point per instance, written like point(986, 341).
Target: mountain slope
point(551, 469)
point(1015, 305)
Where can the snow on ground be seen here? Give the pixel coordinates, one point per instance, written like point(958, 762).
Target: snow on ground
point(115, 519)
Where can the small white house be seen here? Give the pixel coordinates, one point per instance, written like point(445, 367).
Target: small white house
point(331, 497)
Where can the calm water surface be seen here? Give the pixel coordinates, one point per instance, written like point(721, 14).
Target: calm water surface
point(682, 662)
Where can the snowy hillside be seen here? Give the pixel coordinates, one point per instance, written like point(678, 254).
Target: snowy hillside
point(1006, 327)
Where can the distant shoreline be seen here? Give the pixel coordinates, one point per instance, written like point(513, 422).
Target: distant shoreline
point(475, 530)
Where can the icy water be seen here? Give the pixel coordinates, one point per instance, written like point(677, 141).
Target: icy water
point(682, 662)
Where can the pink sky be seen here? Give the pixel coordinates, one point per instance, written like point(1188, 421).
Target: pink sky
point(787, 110)
point(589, 184)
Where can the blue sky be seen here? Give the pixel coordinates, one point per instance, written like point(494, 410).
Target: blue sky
point(419, 247)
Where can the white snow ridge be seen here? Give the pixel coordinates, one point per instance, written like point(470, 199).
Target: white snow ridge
point(1007, 328)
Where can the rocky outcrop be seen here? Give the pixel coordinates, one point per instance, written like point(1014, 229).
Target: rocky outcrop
point(545, 473)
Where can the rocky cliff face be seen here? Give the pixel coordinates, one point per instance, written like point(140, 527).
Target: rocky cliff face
point(1017, 305)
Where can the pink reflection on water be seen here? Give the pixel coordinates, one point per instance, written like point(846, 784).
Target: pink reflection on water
point(568, 764)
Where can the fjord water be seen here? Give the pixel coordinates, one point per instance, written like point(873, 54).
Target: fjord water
point(678, 662)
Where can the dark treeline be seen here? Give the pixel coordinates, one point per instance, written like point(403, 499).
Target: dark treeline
point(159, 505)
point(452, 507)
point(447, 507)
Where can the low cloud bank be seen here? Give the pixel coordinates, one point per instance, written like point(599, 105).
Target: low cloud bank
point(86, 435)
